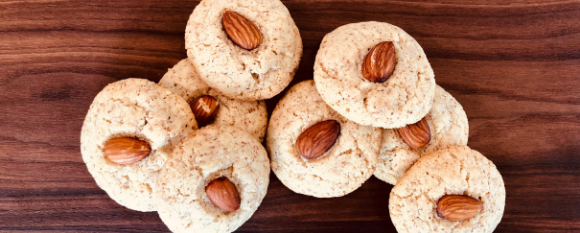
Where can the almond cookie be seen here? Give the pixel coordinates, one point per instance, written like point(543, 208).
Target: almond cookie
point(393, 88)
point(451, 190)
point(186, 197)
point(314, 150)
point(250, 116)
point(447, 125)
point(133, 108)
point(252, 53)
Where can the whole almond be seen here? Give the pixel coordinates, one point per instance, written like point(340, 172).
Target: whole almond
point(380, 62)
point(126, 151)
point(458, 207)
point(223, 194)
point(241, 31)
point(205, 109)
point(317, 139)
point(416, 135)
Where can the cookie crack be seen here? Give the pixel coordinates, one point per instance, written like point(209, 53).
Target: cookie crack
point(136, 104)
point(325, 71)
point(224, 105)
point(145, 121)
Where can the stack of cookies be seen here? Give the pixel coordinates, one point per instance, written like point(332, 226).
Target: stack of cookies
point(190, 147)
point(374, 108)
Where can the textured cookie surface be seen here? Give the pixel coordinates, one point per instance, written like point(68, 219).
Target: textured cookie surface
point(404, 98)
point(339, 171)
point(457, 170)
point(133, 108)
point(209, 153)
point(448, 125)
point(250, 116)
point(238, 73)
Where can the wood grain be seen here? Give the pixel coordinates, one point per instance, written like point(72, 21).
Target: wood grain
point(513, 65)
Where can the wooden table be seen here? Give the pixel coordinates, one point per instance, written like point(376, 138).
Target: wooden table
point(515, 68)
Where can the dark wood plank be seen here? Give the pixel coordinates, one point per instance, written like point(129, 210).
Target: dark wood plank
point(513, 65)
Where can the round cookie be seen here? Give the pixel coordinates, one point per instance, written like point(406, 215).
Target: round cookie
point(341, 169)
point(238, 73)
point(448, 124)
point(457, 170)
point(133, 108)
point(250, 116)
point(403, 99)
point(209, 153)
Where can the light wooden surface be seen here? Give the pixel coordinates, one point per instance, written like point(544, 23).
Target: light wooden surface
point(513, 65)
